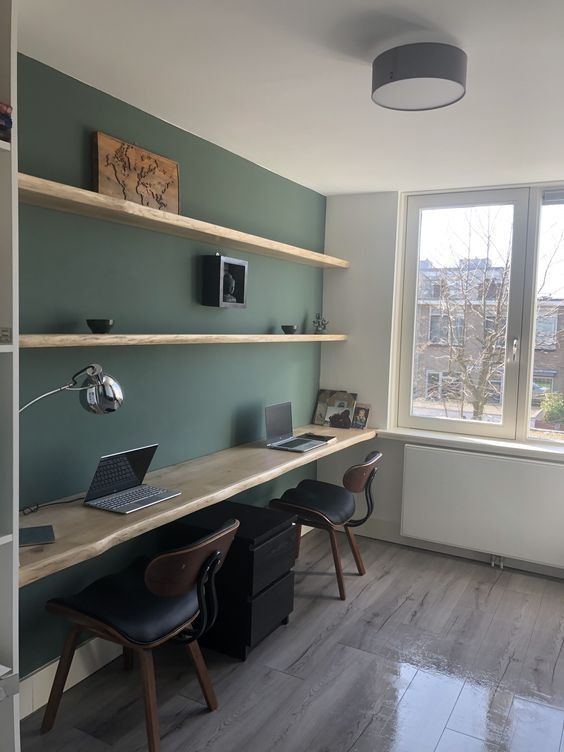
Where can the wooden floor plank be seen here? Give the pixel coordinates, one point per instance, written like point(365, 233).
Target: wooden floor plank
point(542, 677)
point(531, 727)
point(481, 711)
point(452, 741)
point(419, 719)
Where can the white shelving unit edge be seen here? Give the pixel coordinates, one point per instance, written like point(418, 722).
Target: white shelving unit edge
point(9, 398)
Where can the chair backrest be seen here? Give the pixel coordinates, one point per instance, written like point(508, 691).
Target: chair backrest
point(176, 572)
point(357, 477)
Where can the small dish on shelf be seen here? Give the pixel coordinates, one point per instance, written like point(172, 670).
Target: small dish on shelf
point(289, 328)
point(100, 326)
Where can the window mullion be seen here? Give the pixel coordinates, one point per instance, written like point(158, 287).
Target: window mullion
point(527, 349)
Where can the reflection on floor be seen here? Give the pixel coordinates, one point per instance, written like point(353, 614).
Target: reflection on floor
point(429, 653)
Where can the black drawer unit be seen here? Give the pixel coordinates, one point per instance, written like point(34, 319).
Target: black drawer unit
point(255, 586)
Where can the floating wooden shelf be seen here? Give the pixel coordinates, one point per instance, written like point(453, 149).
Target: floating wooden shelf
point(50, 195)
point(109, 340)
point(5, 146)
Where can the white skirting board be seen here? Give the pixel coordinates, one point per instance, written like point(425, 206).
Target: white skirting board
point(497, 505)
point(89, 657)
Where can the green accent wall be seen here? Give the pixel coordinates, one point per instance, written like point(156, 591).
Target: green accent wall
point(191, 400)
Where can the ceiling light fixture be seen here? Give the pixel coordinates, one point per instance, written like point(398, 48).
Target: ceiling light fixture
point(419, 76)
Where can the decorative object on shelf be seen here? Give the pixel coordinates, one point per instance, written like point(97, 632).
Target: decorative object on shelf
point(334, 408)
point(419, 76)
point(289, 328)
point(5, 122)
point(126, 171)
point(224, 282)
point(360, 415)
point(100, 393)
point(320, 324)
point(100, 326)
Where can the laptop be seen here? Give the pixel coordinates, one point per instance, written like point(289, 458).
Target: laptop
point(117, 485)
point(279, 431)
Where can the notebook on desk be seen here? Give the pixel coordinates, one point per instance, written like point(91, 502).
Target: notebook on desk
point(117, 485)
point(279, 430)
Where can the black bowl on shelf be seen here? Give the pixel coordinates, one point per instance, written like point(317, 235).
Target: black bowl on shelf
point(100, 326)
point(289, 328)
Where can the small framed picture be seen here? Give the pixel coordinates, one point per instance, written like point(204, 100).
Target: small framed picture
point(360, 415)
point(224, 283)
point(334, 408)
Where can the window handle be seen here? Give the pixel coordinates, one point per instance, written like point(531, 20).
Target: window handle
point(514, 350)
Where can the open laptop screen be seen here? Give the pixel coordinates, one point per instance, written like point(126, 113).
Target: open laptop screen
point(118, 472)
point(278, 420)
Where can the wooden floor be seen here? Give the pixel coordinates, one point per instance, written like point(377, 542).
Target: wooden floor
point(429, 653)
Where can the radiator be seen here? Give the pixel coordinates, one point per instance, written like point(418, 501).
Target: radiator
point(497, 505)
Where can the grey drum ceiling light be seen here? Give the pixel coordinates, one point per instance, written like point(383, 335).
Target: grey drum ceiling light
point(419, 76)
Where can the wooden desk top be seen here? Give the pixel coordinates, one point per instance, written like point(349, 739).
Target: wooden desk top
point(83, 532)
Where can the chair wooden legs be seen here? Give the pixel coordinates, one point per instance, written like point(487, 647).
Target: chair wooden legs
point(202, 674)
point(60, 679)
point(355, 550)
point(338, 565)
point(298, 540)
point(150, 699)
point(128, 655)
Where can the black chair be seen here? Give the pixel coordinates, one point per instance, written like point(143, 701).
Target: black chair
point(149, 603)
point(329, 507)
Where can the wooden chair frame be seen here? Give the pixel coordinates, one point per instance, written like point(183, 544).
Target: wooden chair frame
point(171, 573)
point(357, 479)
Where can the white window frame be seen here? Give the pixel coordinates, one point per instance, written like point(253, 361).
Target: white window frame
point(519, 318)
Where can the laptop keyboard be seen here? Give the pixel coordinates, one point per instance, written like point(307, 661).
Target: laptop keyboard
point(124, 498)
point(295, 443)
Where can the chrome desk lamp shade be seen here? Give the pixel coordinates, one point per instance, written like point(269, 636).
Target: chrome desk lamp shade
point(100, 393)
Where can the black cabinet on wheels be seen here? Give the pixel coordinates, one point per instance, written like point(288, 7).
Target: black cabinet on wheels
point(255, 587)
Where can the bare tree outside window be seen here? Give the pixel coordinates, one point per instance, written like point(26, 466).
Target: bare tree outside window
point(463, 289)
point(465, 256)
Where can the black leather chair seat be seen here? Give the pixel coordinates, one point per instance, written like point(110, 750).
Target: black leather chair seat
point(334, 502)
point(123, 602)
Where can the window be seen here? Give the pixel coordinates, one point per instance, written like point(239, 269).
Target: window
point(547, 327)
point(470, 250)
point(543, 384)
point(446, 329)
point(546, 403)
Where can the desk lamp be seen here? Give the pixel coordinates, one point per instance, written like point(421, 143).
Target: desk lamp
point(100, 393)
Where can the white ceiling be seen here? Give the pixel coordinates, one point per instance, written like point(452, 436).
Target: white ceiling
point(286, 83)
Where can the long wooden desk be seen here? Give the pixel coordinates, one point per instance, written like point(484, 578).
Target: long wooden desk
point(82, 532)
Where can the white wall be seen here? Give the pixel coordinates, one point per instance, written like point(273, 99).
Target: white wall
point(362, 228)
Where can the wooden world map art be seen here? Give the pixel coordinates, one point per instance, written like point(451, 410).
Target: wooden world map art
point(126, 171)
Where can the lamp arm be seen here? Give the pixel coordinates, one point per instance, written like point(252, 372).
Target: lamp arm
point(42, 396)
point(93, 370)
